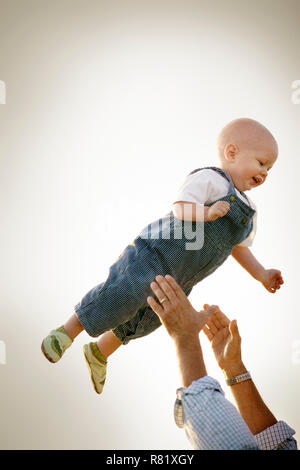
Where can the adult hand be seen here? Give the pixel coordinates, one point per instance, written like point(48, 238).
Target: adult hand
point(175, 310)
point(226, 344)
point(225, 340)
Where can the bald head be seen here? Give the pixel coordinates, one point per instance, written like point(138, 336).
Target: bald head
point(246, 134)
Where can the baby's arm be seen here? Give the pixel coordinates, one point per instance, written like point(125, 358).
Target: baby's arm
point(270, 278)
point(192, 212)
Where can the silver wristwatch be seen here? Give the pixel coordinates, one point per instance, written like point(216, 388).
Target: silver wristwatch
point(238, 379)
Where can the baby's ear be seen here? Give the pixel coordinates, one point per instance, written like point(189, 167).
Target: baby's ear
point(230, 152)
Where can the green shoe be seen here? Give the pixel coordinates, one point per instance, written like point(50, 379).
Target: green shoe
point(96, 364)
point(55, 344)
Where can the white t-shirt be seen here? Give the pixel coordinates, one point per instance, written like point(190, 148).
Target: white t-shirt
point(206, 186)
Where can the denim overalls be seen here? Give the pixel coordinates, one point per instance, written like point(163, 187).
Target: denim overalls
point(120, 303)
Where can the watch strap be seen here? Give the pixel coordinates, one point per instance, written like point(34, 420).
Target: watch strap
point(238, 378)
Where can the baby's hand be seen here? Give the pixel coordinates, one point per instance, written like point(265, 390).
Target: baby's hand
point(272, 280)
point(218, 209)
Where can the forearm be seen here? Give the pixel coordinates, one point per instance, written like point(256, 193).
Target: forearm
point(248, 261)
point(248, 400)
point(190, 359)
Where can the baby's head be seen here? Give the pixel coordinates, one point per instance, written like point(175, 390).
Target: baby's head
point(247, 151)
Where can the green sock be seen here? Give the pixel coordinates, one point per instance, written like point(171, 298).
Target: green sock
point(96, 352)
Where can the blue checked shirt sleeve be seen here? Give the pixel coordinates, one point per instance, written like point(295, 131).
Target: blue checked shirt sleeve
point(277, 437)
point(210, 421)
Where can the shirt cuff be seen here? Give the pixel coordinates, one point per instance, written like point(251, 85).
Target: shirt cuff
point(275, 437)
point(197, 386)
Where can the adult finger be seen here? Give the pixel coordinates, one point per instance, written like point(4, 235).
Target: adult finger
point(211, 326)
point(160, 295)
point(157, 308)
point(207, 314)
point(207, 333)
point(224, 321)
point(166, 288)
point(215, 320)
point(176, 287)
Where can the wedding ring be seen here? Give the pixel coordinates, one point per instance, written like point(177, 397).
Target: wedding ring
point(163, 300)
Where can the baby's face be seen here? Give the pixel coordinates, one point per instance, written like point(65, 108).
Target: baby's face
point(251, 166)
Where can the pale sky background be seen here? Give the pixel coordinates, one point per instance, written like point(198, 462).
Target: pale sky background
point(109, 105)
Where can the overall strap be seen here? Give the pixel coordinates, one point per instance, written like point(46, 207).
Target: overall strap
point(222, 173)
point(218, 170)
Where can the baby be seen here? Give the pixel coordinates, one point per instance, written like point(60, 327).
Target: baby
point(211, 199)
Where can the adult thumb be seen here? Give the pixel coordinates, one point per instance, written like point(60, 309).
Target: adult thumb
point(234, 331)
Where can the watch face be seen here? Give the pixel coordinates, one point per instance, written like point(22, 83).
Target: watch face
point(231, 381)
